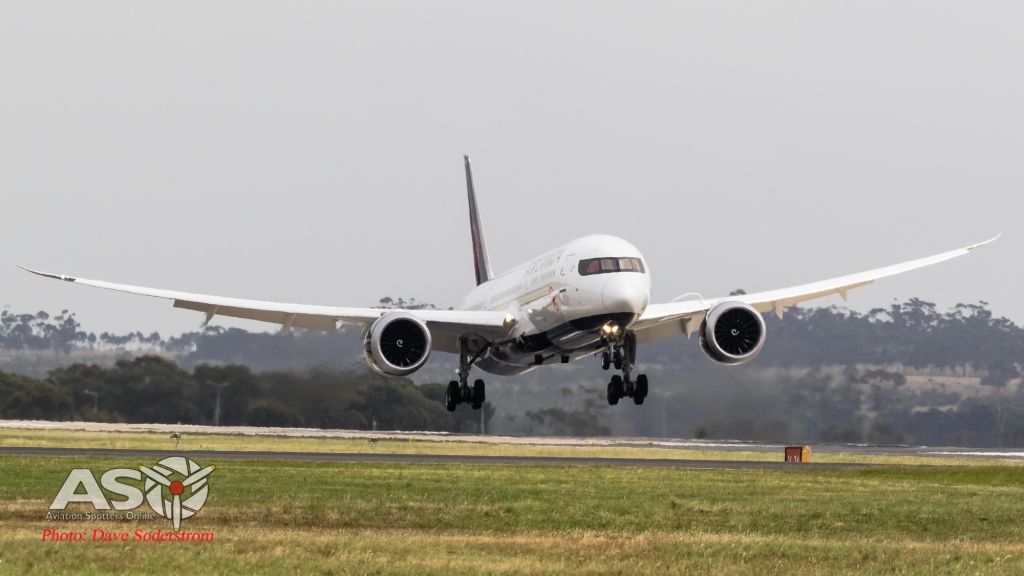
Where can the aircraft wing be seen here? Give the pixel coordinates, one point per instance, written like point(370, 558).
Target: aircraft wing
point(665, 320)
point(446, 326)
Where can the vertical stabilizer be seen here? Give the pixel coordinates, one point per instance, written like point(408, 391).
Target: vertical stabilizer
point(481, 262)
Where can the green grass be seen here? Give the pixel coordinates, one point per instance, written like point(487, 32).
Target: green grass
point(428, 445)
point(319, 518)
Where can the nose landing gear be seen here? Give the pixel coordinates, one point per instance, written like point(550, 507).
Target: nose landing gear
point(623, 354)
point(460, 391)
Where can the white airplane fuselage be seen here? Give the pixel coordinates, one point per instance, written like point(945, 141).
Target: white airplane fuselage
point(562, 311)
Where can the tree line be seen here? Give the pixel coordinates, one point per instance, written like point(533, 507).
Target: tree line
point(825, 374)
point(913, 333)
point(154, 389)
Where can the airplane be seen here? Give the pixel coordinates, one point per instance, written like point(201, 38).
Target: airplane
point(588, 297)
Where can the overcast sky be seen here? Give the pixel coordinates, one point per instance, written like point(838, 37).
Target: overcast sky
point(312, 152)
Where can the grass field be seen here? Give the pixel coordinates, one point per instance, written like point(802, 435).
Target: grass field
point(309, 518)
point(160, 441)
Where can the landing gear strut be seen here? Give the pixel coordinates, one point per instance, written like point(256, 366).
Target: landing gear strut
point(623, 355)
point(460, 391)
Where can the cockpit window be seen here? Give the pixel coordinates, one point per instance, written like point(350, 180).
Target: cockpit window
point(606, 265)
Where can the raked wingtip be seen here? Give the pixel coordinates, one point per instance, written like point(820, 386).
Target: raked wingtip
point(47, 274)
point(989, 241)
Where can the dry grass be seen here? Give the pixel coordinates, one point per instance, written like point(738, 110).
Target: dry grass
point(310, 518)
point(274, 551)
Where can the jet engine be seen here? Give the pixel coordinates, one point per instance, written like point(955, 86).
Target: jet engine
point(397, 344)
point(732, 333)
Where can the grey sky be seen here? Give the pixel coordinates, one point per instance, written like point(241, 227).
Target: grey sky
point(311, 152)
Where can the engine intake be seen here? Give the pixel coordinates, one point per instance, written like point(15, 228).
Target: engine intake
point(732, 333)
point(397, 344)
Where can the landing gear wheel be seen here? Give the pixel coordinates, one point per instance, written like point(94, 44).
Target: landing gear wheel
point(640, 391)
point(452, 396)
point(479, 394)
point(618, 360)
point(613, 398)
point(606, 361)
point(641, 386)
point(616, 390)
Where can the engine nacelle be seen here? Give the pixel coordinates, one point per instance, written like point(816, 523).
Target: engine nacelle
point(397, 344)
point(732, 333)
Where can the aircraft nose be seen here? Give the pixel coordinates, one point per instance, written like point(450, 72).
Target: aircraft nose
point(625, 293)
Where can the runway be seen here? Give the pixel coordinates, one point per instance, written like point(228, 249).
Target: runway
point(216, 456)
point(673, 444)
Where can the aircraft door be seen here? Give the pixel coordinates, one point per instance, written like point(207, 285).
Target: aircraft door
point(568, 269)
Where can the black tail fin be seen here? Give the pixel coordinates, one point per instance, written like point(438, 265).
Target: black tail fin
point(481, 262)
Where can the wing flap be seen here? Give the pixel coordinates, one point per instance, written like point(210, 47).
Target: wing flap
point(307, 321)
point(782, 302)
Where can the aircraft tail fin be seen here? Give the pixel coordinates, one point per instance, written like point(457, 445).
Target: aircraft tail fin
point(481, 263)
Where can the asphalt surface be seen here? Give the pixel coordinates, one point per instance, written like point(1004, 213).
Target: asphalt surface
point(214, 456)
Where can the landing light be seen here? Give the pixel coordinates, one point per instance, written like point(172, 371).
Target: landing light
point(509, 319)
point(610, 328)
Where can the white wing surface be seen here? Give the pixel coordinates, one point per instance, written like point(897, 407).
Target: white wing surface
point(665, 320)
point(446, 326)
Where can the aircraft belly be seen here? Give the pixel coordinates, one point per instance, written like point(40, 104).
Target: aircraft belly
point(492, 366)
point(576, 338)
point(569, 338)
point(517, 363)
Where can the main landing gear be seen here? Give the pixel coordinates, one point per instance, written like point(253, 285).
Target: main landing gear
point(460, 391)
point(622, 353)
